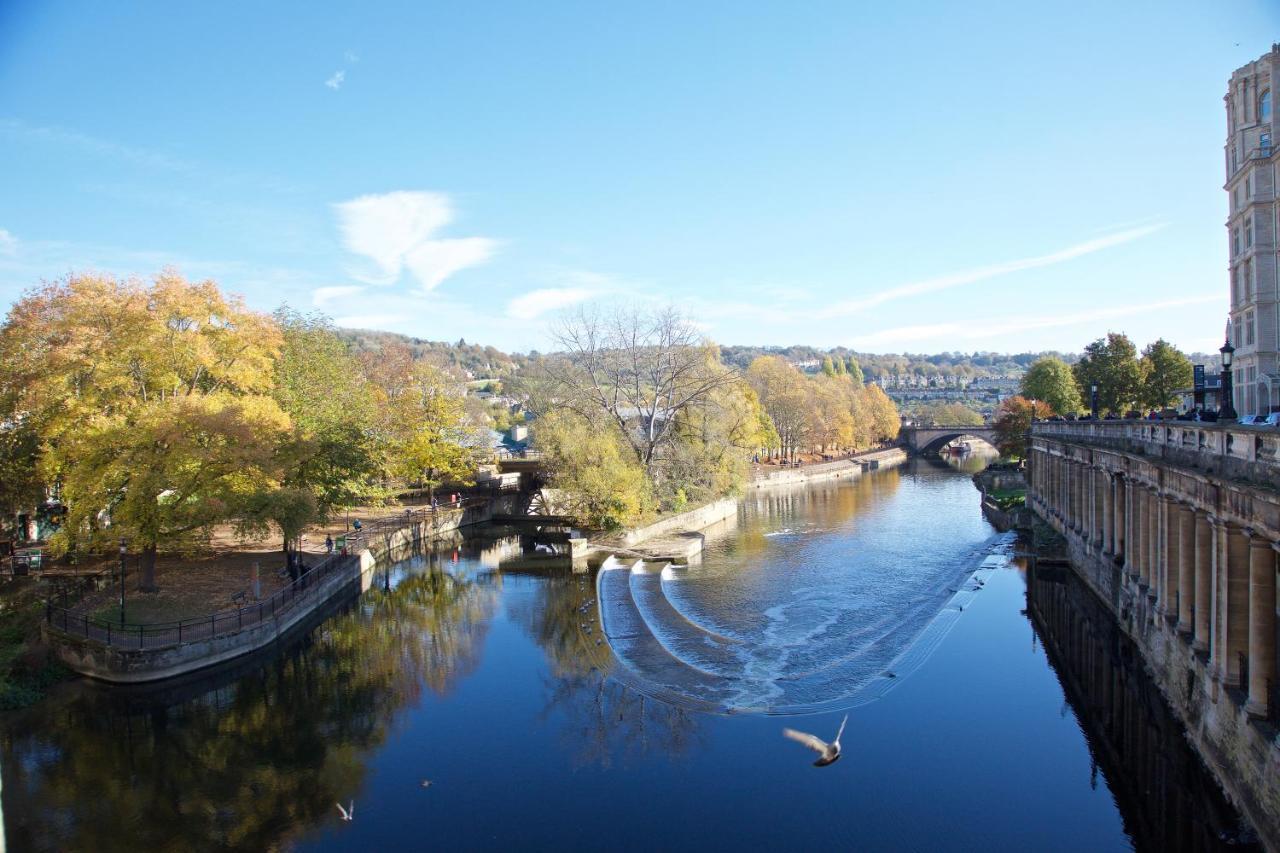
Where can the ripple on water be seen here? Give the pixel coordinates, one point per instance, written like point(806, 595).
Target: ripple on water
point(834, 623)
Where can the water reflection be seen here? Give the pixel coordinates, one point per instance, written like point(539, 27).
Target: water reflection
point(247, 761)
point(1167, 798)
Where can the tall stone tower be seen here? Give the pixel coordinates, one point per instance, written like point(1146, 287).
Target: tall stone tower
point(1252, 166)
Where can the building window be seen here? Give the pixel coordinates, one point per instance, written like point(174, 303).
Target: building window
point(1235, 242)
point(1248, 231)
point(1264, 106)
point(1248, 186)
point(1264, 142)
point(1248, 329)
point(1235, 287)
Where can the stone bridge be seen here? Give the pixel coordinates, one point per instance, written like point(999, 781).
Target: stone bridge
point(923, 440)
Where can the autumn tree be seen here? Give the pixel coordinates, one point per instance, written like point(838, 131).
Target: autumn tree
point(1165, 370)
point(423, 417)
point(639, 368)
point(1013, 424)
point(1111, 363)
point(1050, 379)
point(108, 372)
point(784, 396)
point(595, 473)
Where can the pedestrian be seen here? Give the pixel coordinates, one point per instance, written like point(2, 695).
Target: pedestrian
point(357, 525)
point(434, 504)
point(328, 544)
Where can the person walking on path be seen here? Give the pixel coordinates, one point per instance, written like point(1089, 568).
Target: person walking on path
point(328, 544)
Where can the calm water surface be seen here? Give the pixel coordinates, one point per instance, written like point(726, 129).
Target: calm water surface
point(476, 668)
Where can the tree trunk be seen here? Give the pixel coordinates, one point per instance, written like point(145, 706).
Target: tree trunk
point(148, 581)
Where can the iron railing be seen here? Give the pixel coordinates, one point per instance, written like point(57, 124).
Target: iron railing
point(75, 621)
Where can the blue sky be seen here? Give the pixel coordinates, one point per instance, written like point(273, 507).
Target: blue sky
point(937, 177)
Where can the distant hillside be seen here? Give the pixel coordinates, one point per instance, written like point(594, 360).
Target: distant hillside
point(965, 366)
point(479, 361)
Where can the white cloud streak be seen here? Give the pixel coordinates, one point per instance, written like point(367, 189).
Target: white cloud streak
point(972, 276)
point(538, 302)
point(335, 82)
point(972, 331)
point(396, 231)
point(8, 243)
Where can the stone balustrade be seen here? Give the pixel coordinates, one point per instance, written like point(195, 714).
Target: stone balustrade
point(1176, 526)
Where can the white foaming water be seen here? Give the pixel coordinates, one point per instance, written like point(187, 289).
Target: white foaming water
point(809, 622)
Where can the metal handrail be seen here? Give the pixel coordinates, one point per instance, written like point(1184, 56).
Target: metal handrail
point(233, 620)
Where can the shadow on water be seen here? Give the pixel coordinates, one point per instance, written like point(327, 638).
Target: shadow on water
point(1166, 796)
point(249, 757)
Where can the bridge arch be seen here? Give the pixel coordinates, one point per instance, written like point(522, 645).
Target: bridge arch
point(935, 444)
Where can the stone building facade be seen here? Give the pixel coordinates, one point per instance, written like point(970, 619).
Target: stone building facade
point(1252, 163)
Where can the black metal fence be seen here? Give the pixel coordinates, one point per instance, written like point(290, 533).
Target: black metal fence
point(74, 621)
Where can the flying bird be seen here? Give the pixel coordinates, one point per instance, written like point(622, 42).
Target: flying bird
point(347, 813)
point(828, 753)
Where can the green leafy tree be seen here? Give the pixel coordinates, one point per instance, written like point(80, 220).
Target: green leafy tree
point(1165, 370)
point(596, 475)
point(1013, 422)
point(1112, 363)
point(828, 368)
point(1050, 379)
point(855, 372)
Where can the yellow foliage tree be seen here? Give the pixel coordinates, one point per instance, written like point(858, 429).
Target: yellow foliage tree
point(151, 402)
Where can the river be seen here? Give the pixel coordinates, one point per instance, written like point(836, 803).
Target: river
point(471, 700)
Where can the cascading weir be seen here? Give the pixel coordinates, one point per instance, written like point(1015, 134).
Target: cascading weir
point(805, 655)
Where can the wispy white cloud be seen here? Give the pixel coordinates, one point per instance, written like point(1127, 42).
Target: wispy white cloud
point(538, 302)
point(972, 276)
point(939, 334)
point(325, 295)
point(397, 230)
point(93, 145)
point(335, 82)
point(351, 56)
point(8, 243)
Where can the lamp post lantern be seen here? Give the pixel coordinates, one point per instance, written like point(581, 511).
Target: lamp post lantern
point(1093, 399)
point(1227, 412)
point(122, 553)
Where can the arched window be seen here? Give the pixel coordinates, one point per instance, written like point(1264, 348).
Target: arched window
point(1264, 106)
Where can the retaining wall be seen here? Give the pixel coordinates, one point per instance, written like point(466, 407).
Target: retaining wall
point(121, 665)
point(1238, 750)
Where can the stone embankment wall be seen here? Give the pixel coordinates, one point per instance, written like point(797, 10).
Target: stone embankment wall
point(1182, 551)
point(677, 536)
point(120, 664)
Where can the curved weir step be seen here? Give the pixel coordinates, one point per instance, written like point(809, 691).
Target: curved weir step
point(653, 669)
point(686, 641)
point(669, 574)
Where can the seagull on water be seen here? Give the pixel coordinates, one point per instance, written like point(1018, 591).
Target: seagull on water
point(348, 813)
point(828, 753)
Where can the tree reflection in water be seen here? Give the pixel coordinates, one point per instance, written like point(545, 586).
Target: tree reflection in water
point(602, 718)
point(254, 760)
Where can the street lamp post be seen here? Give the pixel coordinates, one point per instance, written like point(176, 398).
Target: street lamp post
point(122, 553)
point(1093, 399)
point(1227, 412)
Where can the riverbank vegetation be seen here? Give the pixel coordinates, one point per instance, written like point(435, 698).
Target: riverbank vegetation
point(154, 413)
point(637, 414)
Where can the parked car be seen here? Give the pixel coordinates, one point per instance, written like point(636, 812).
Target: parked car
point(1273, 419)
point(1250, 420)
